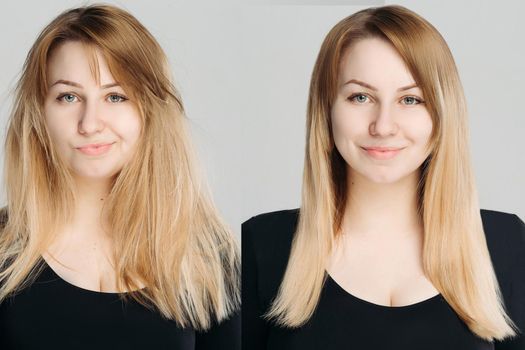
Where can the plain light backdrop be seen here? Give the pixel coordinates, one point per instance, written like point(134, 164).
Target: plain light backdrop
point(243, 69)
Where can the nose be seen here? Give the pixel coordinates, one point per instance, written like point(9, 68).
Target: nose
point(90, 121)
point(384, 123)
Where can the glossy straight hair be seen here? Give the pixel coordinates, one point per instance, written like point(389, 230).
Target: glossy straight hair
point(167, 234)
point(455, 254)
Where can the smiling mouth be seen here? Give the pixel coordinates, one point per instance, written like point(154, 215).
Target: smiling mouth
point(382, 149)
point(382, 153)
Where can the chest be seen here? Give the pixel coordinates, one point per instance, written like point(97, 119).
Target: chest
point(85, 264)
point(386, 272)
point(342, 321)
point(51, 314)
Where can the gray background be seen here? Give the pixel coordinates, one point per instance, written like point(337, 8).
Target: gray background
point(243, 69)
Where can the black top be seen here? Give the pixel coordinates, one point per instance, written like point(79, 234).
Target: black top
point(343, 321)
point(54, 314)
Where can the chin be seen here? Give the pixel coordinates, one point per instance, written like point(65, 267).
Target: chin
point(382, 176)
point(98, 175)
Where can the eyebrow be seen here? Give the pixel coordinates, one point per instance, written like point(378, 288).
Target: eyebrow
point(368, 86)
point(72, 83)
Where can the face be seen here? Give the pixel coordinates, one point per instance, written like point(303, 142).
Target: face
point(380, 124)
point(94, 127)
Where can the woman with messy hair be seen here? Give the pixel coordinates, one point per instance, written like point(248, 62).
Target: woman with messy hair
point(109, 239)
point(389, 249)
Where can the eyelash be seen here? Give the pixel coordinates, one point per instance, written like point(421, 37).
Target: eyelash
point(419, 101)
point(61, 96)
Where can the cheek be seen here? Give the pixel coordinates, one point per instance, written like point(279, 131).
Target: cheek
point(420, 129)
point(56, 121)
point(346, 126)
point(129, 126)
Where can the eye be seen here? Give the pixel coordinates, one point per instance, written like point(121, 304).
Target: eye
point(69, 98)
point(353, 97)
point(412, 100)
point(360, 98)
point(116, 98)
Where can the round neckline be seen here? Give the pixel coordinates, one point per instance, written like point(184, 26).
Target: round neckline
point(82, 289)
point(379, 306)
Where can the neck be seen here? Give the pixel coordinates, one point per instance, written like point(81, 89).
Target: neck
point(90, 197)
point(381, 210)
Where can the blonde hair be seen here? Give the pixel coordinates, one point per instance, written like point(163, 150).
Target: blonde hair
point(455, 254)
point(167, 232)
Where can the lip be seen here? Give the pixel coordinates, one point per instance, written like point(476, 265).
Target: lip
point(382, 153)
point(95, 149)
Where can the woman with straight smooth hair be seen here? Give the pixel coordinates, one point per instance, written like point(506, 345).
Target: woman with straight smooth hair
point(389, 249)
point(109, 239)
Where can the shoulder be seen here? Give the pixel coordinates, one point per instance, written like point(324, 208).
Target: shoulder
point(270, 232)
point(505, 236)
point(497, 221)
point(270, 235)
point(266, 245)
point(270, 226)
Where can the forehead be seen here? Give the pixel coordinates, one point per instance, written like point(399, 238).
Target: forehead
point(78, 62)
point(376, 62)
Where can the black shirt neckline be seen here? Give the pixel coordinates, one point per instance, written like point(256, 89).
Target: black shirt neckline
point(344, 292)
point(57, 277)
